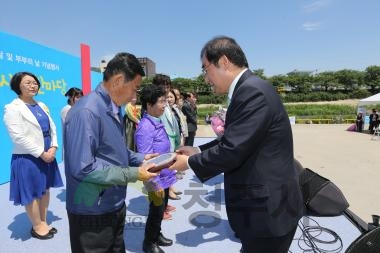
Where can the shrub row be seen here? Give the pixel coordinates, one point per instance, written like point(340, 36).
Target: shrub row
point(304, 113)
point(295, 97)
point(323, 96)
point(319, 109)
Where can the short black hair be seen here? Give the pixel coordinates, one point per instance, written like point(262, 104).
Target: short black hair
point(188, 94)
point(161, 80)
point(124, 63)
point(16, 81)
point(223, 45)
point(73, 92)
point(149, 95)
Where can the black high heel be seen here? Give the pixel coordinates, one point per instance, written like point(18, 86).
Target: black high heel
point(41, 237)
point(53, 230)
point(174, 198)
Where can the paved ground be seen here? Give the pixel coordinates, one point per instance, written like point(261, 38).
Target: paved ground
point(350, 159)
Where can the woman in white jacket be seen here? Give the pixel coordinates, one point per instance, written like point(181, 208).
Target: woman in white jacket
point(34, 168)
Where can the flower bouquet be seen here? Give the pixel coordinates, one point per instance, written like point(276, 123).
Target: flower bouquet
point(217, 121)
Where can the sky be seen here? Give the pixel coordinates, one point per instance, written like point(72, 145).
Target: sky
point(278, 36)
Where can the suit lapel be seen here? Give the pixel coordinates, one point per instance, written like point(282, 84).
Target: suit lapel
point(244, 77)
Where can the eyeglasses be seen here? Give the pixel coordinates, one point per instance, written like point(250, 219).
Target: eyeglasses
point(204, 68)
point(30, 83)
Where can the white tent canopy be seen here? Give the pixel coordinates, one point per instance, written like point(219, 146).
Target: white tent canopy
point(375, 99)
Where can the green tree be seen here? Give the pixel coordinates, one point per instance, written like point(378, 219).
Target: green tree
point(326, 80)
point(300, 81)
point(372, 77)
point(259, 73)
point(202, 86)
point(147, 80)
point(183, 84)
point(349, 79)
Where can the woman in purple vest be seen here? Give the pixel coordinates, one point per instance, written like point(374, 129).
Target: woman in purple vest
point(151, 137)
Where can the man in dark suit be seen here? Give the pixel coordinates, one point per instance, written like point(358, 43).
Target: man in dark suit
point(263, 199)
point(189, 109)
point(373, 121)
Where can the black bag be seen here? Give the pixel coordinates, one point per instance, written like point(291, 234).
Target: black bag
point(321, 196)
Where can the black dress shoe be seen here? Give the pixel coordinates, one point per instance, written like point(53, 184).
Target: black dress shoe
point(150, 247)
point(163, 241)
point(178, 192)
point(53, 231)
point(175, 198)
point(41, 237)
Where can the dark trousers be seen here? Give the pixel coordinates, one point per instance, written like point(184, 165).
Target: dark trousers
point(269, 245)
point(155, 215)
point(359, 126)
point(189, 140)
point(371, 126)
point(97, 233)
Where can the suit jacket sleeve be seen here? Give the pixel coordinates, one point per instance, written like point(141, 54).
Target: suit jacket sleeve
point(248, 119)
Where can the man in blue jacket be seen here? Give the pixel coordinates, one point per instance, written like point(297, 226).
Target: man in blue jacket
point(98, 166)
